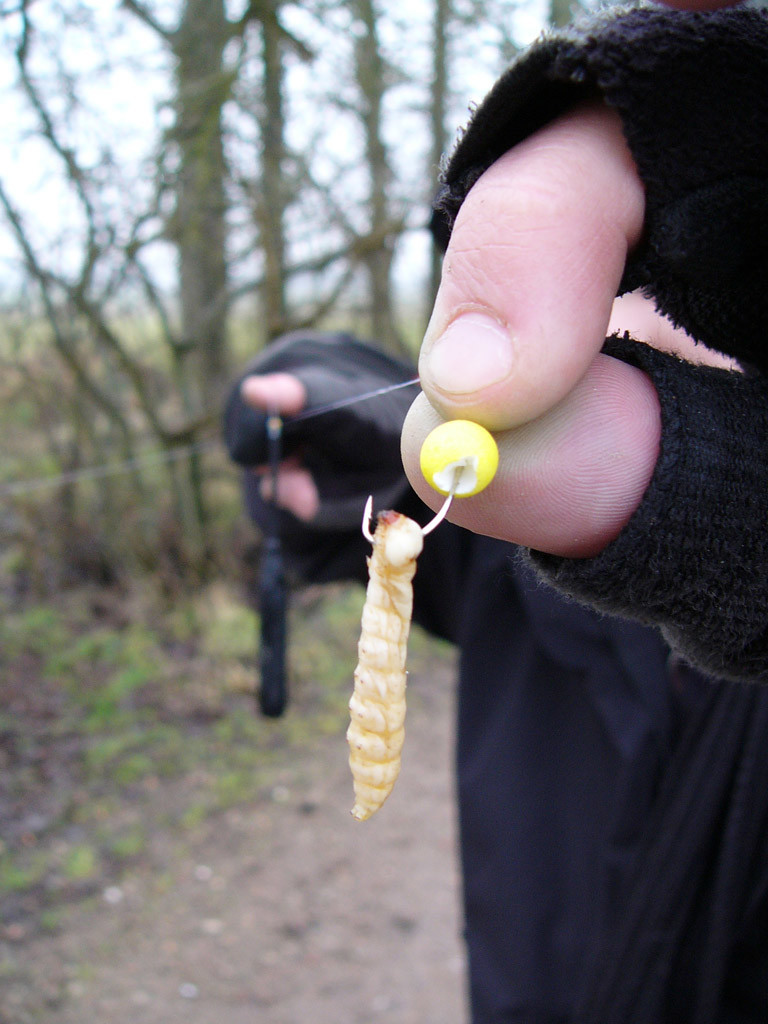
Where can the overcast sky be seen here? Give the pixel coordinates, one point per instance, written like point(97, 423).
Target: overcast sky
point(123, 101)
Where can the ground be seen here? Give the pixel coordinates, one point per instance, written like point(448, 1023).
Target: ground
point(278, 909)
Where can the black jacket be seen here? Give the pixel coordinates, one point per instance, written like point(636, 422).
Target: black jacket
point(614, 802)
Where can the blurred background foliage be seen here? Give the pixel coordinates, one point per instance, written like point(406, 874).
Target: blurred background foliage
point(183, 181)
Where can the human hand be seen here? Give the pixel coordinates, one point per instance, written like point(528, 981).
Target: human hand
point(283, 393)
point(527, 294)
point(332, 461)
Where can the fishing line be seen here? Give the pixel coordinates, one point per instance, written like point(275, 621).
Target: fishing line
point(273, 597)
point(18, 487)
point(342, 403)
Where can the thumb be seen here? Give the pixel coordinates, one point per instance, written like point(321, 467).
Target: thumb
point(569, 481)
point(532, 269)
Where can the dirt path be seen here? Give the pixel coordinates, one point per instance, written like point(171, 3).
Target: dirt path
point(282, 912)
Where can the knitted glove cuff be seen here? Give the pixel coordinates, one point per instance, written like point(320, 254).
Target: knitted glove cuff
point(694, 557)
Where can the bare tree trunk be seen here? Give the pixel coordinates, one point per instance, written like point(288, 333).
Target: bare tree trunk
point(198, 230)
point(198, 226)
point(438, 102)
point(273, 200)
point(378, 255)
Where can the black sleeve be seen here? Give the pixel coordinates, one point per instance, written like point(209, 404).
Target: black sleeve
point(693, 558)
point(691, 89)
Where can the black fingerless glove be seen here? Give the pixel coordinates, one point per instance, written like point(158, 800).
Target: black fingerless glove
point(692, 93)
point(693, 557)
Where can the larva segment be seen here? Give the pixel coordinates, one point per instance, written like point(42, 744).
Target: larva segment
point(377, 705)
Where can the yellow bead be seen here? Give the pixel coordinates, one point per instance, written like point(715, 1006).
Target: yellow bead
point(459, 446)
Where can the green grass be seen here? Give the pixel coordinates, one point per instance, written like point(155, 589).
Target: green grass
point(22, 870)
point(80, 863)
point(148, 723)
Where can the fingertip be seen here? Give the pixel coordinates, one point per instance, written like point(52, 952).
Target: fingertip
point(467, 369)
point(280, 391)
point(296, 491)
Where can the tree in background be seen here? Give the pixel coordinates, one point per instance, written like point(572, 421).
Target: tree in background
point(442, 17)
point(285, 163)
point(376, 249)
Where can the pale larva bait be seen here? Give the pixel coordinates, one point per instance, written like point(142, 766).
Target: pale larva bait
point(377, 706)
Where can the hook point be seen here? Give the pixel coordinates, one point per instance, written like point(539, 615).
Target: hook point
point(367, 513)
point(443, 512)
point(439, 517)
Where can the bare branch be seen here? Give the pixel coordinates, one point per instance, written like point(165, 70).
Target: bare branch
point(143, 13)
point(75, 174)
point(62, 343)
point(258, 10)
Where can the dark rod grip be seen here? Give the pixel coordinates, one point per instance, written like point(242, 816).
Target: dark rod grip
point(273, 693)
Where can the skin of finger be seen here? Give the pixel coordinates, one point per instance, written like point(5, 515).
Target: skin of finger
point(280, 391)
point(539, 245)
point(296, 490)
point(637, 314)
point(569, 481)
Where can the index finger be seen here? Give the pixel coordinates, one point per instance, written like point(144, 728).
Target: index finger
point(281, 392)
